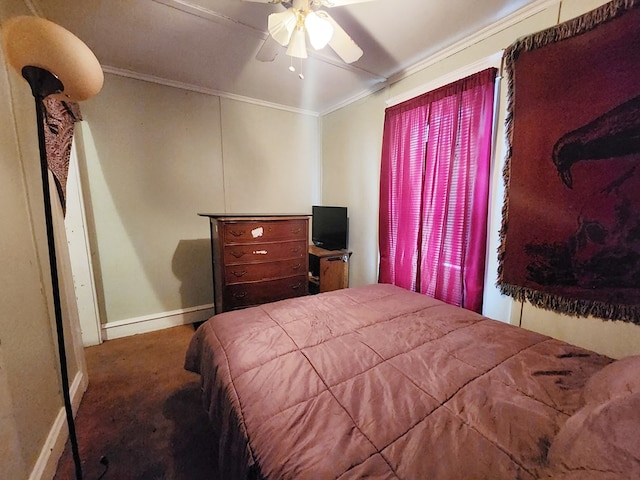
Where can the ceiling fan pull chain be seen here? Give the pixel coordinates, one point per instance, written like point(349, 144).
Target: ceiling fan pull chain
point(301, 75)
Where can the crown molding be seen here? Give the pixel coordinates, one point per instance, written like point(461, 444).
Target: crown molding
point(483, 34)
point(364, 94)
point(207, 91)
point(494, 60)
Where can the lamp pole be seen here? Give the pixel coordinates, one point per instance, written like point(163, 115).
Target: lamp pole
point(43, 83)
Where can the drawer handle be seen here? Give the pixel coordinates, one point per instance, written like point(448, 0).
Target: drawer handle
point(239, 274)
point(295, 249)
point(236, 233)
point(296, 230)
point(237, 254)
point(240, 295)
point(296, 286)
point(296, 267)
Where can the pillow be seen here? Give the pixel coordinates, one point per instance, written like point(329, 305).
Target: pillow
point(601, 441)
point(617, 379)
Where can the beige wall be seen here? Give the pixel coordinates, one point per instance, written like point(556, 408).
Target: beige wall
point(270, 158)
point(153, 157)
point(351, 145)
point(150, 156)
point(351, 161)
point(30, 400)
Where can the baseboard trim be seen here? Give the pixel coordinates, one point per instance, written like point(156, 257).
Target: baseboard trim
point(150, 323)
point(47, 463)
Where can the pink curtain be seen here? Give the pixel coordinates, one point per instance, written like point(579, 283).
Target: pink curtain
point(434, 188)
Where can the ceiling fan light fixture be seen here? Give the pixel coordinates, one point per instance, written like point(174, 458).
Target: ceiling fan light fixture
point(306, 18)
point(282, 25)
point(297, 45)
point(319, 29)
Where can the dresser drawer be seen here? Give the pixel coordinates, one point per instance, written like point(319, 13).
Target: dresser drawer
point(255, 272)
point(247, 294)
point(264, 252)
point(263, 231)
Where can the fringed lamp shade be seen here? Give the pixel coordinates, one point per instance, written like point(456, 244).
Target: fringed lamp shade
point(36, 42)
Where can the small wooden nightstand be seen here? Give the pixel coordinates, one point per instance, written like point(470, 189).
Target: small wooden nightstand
point(328, 269)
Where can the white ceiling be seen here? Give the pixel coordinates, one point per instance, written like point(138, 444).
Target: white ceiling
point(211, 45)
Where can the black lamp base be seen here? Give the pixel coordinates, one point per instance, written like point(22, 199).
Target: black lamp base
point(43, 83)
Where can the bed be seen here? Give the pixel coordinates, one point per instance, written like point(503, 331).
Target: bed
point(379, 382)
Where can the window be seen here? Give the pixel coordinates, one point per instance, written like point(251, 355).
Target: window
point(434, 187)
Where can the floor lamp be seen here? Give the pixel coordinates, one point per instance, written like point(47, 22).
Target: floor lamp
point(54, 62)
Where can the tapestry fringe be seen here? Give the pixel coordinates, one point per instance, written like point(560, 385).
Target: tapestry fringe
point(568, 29)
point(573, 307)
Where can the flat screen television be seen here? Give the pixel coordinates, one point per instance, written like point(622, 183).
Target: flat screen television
point(329, 227)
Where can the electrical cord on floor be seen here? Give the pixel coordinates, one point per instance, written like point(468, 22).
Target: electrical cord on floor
point(104, 461)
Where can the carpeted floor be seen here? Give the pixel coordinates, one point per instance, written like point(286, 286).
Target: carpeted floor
point(142, 412)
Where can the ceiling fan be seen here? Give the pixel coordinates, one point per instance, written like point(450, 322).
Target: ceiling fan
point(304, 19)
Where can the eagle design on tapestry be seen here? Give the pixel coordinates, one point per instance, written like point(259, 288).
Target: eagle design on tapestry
point(604, 250)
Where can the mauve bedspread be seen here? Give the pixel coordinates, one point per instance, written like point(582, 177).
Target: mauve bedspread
point(379, 382)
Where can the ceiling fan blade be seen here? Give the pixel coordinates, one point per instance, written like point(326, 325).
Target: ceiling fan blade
point(268, 51)
point(264, 1)
point(342, 43)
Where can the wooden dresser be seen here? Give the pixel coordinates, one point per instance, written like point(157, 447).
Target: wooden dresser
point(258, 259)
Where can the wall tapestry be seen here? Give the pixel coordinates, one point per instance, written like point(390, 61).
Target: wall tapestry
point(570, 237)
